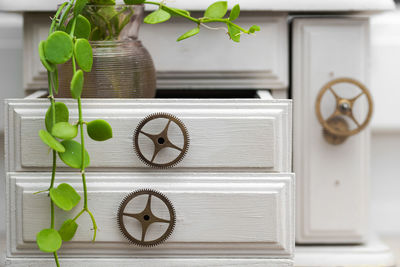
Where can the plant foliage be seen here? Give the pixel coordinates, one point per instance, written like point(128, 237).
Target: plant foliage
point(72, 27)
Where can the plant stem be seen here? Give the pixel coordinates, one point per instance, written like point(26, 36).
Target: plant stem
point(73, 28)
point(85, 199)
point(198, 21)
point(78, 215)
point(82, 154)
point(94, 224)
point(53, 170)
point(180, 14)
point(65, 14)
point(52, 214)
point(73, 64)
point(53, 23)
point(56, 258)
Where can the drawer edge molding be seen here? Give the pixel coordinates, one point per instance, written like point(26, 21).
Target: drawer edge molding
point(266, 123)
point(191, 193)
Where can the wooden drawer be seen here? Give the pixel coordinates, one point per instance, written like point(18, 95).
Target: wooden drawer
point(235, 134)
point(217, 214)
point(263, 60)
point(332, 204)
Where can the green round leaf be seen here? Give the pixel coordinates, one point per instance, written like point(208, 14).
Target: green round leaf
point(64, 130)
point(72, 155)
point(58, 47)
point(82, 27)
point(68, 230)
point(62, 115)
point(99, 130)
point(234, 32)
point(157, 16)
point(188, 34)
point(84, 54)
point(65, 196)
point(49, 140)
point(48, 240)
point(79, 5)
point(77, 84)
point(216, 10)
point(43, 59)
point(254, 28)
point(234, 13)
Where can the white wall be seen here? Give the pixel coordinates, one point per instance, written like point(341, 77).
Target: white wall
point(385, 146)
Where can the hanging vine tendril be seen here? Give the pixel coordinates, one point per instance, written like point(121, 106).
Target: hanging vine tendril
point(71, 29)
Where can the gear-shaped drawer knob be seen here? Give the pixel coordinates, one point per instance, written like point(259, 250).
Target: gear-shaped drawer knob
point(129, 215)
point(156, 128)
point(336, 127)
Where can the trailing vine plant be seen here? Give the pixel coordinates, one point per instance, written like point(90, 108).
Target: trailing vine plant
point(71, 29)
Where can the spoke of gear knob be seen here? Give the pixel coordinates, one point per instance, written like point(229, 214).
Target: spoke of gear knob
point(146, 217)
point(161, 140)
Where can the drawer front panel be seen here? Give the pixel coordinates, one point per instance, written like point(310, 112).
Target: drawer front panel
point(332, 204)
point(223, 133)
point(263, 60)
point(221, 214)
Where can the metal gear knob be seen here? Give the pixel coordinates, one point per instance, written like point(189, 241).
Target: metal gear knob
point(336, 128)
point(156, 128)
point(128, 217)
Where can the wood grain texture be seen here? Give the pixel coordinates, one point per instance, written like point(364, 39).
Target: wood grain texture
point(332, 204)
point(195, 262)
point(218, 214)
point(236, 134)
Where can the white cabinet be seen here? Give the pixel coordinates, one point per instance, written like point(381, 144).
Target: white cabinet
point(233, 192)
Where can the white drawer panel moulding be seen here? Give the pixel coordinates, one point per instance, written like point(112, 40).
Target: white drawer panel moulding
point(217, 214)
point(259, 129)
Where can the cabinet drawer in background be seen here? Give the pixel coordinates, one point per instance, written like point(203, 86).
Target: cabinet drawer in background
point(217, 214)
point(228, 133)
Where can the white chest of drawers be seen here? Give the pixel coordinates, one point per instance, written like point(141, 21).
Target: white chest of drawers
point(241, 162)
point(244, 214)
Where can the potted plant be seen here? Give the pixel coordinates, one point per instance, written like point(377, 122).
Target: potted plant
point(74, 23)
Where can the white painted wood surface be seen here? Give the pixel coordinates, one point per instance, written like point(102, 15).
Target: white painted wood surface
point(194, 63)
point(235, 134)
point(196, 262)
point(264, 5)
point(218, 214)
point(332, 203)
